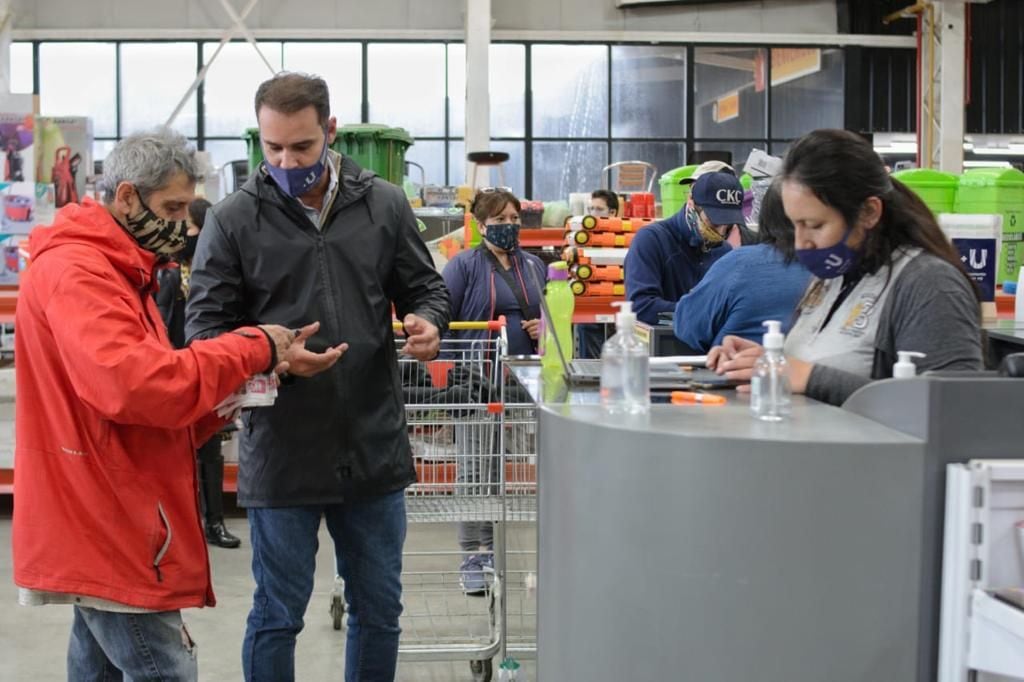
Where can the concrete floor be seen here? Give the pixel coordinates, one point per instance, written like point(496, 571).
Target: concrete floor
point(33, 641)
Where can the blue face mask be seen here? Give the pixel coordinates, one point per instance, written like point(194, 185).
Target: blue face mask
point(298, 181)
point(503, 235)
point(833, 261)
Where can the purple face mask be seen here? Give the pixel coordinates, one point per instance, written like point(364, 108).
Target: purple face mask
point(830, 262)
point(297, 181)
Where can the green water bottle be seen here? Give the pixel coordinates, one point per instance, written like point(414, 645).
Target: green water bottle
point(510, 671)
point(560, 303)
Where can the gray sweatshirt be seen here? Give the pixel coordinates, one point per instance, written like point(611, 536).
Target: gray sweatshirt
point(931, 309)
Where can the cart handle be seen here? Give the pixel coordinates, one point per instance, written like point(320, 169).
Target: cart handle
point(489, 325)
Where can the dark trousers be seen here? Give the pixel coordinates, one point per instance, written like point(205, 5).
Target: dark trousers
point(211, 480)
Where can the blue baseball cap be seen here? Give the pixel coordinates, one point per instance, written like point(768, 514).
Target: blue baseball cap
point(720, 196)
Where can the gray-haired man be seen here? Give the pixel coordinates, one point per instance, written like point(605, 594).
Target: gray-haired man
point(106, 515)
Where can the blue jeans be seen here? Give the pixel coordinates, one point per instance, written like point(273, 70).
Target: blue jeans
point(368, 537)
point(108, 646)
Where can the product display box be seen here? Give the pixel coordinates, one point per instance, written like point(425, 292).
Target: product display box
point(16, 142)
point(23, 205)
point(13, 259)
point(63, 155)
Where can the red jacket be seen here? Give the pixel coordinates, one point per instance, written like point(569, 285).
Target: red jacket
point(107, 417)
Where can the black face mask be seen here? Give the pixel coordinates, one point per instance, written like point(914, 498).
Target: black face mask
point(155, 234)
point(190, 247)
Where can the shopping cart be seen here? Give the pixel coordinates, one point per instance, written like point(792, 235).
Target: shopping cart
point(475, 460)
point(519, 447)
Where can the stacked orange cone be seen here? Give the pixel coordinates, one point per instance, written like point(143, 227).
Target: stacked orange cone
point(588, 279)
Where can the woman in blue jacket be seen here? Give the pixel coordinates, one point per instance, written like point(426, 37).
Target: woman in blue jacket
point(497, 278)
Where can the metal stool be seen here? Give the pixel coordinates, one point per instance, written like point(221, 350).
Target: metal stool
point(633, 176)
point(488, 160)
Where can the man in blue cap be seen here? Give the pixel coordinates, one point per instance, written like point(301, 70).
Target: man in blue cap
point(667, 259)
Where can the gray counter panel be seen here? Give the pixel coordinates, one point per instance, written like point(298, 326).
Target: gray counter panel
point(796, 546)
point(962, 417)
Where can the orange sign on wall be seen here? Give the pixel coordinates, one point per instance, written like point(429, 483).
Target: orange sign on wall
point(788, 63)
point(726, 108)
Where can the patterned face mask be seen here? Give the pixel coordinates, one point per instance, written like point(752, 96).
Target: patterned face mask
point(702, 226)
point(503, 235)
point(155, 234)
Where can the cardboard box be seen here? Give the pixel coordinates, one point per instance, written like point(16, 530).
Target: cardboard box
point(16, 144)
point(63, 147)
point(23, 205)
point(12, 264)
point(977, 238)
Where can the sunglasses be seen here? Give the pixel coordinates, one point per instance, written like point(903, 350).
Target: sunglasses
point(491, 190)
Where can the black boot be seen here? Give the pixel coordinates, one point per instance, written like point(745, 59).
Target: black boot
point(218, 534)
point(211, 483)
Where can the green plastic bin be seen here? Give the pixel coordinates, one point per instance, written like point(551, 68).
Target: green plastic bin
point(936, 189)
point(376, 147)
point(252, 142)
point(674, 195)
point(379, 148)
point(998, 191)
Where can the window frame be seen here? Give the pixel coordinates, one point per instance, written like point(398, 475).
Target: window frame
point(689, 140)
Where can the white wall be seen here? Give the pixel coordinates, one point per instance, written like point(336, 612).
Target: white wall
point(770, 16)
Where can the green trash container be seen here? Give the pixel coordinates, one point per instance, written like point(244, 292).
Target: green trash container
point(674, 195)
point(998, 191)
point(252, 141)
point(936, 189)
point(376, 147)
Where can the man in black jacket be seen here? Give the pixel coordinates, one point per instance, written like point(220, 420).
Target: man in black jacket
point(312, 236)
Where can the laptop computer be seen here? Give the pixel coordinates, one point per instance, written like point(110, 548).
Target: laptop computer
point(664, 377)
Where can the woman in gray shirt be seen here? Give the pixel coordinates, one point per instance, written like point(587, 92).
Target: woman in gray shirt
point(887, 278)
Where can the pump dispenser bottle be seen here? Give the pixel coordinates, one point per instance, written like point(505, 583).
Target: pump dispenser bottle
point(905, 367)
point(770, 396)
point(625, 367)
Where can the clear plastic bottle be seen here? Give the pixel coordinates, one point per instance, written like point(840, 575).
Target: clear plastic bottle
point(625, 367)
point(770, 396)
point(560, 302)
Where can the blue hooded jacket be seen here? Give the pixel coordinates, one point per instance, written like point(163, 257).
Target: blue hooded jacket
point(746, 287)
point(665, 261)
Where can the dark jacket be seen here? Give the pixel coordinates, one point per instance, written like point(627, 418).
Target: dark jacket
point(474, 285)
point(665, 260)
point(171, 301)
point(342, 433)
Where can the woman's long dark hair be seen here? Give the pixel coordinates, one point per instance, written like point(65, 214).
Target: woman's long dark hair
point(843, 171)
point(773, 225)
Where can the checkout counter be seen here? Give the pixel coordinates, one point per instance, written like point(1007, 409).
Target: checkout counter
point(698, 543)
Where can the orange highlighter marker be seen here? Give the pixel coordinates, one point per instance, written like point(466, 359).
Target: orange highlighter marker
point(690, 398)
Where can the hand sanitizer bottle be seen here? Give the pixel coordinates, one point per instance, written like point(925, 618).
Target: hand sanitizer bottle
point(625, 367)
point(770, 396)
point(905, 367)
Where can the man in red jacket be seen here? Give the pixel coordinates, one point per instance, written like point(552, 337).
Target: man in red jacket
point(108, 414)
